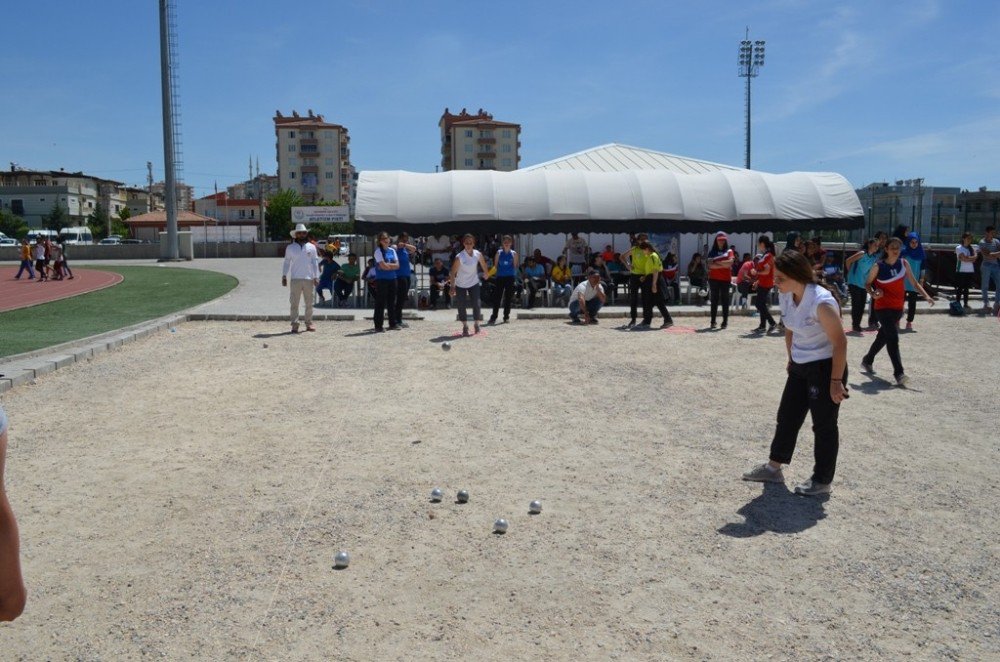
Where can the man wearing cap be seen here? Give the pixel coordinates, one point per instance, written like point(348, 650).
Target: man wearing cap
point(588, 297)
point(301, 266)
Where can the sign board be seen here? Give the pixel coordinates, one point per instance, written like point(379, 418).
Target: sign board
point(308, 215)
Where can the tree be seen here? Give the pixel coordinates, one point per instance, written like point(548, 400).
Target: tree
point(11, 225)
point(98, 222)
point(55, 219)
point(279, 213)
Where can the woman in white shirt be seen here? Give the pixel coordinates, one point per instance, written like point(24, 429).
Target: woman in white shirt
point(465, 282)
point(965, 268)
point(817, 374)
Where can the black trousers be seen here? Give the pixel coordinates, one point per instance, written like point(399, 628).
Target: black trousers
point(888, 337)
point(807, 390)
point(718, 291)
point(402, 292)
point(385, 299)
point(763, 303)
point(504, 292)
point(650, 299)
point(911, 305)
point(858, 297)
point(963, 282)
point(634, 286)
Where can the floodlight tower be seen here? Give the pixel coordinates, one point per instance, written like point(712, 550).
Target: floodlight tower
point(751, 60)
point(171, 121)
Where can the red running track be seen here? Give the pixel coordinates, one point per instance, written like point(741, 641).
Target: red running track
point(23, 293)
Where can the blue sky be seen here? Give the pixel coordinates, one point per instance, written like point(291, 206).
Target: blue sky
point(876, 91)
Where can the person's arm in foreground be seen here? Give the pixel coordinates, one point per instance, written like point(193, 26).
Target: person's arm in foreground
point(834, 328)
point(12, 592)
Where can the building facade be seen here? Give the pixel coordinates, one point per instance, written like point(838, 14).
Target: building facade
point(478, 142)
point(258, 188)
point(185, 195)
point(314, 158)
point(32, 195)
point(230, 211)
point(931, 211)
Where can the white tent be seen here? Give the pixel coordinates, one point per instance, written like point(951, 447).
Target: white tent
point(543, 201)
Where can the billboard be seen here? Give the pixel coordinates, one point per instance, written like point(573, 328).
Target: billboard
point(309, 215)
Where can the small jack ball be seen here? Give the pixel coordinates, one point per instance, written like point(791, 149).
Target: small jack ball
point(463, 496)
point(535, 507)
point(446, 346)
point(500, 526)
point(437, 494)
point(342, 560)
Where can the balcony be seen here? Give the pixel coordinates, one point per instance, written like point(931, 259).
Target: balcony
point(487, 141)
point(486, 155)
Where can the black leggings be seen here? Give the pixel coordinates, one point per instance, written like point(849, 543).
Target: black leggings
point(807, 390)
point(385, 299)
point(634, 286)
point(911, 305)
point(402, 293)
point(651, 299)
point(963, 282)
point(505, 292)
point(718, 290)
point(859, 296)
point(763, 302)
point(888, 337)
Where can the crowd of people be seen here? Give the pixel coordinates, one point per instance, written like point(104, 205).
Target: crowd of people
point(49, 258)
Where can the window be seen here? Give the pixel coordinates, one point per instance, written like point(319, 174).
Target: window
point(506, 133)
point(252, 212)
point(328, 135)
point(310, 180)
point(329, 175)
point(291, 148)
point(243, 213)
point(329, 162)
point(292, 161)
point(291, 134)
point(468, 133)
point(17, 207)
point(468, 148)
point(506, 163)
point(468, 162)
point(505, 148)
point(485, 134)
point(291, 175)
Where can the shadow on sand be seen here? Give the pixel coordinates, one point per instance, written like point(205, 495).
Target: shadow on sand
point(776, 509)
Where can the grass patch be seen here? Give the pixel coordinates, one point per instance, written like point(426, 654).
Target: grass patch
point(145, 294)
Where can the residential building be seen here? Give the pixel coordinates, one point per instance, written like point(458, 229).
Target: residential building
point(140, 200)
point(478, 142)
point(978, 210)
point(32, 194)
point(314, 158)
point(260, 187)
point(931, 211)
point(185, 194)
point(229, 211)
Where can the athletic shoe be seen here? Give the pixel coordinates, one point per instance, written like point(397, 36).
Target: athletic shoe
point(630, 324)
point(812, 488)
point(763, 473)
point(295, 328)
point(772, 327)
point(476, 328)
point(713, 325)
point(760, 329)
point(310, 327)
point(492, 321)
point(901, 380)
point(909, 326)
point(403, 325)
point(506, 320)
point(857, 329)
point(465, 332)
point(379, 329)
point(594, 320)
point(724, 325)
point(576, 320)
point(667, 324)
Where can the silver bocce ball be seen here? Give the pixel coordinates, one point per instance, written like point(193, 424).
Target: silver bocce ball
point(437, 494)
point(446, 346)
point(500, 526)
point(342, 559)
point(463, 496)
point(535, 507)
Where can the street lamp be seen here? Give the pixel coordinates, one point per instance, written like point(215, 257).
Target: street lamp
point(750, 61)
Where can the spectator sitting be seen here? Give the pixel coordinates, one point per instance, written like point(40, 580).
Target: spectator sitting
point(670, 274)
point(346, 277)
point(601, 267)
point(534, 279)
point(562, 282)
point(745, 280)
point(587, 298)
point(696, 275)
point(327, 268)
point(545, 262)
point(369, 277)
point(834, 275)
point(439, 283)
point(608, 255)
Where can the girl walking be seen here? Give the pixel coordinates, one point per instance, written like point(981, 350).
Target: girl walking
point(720, 264)
point(465, 282)
point(885, 284)
point(817, 374)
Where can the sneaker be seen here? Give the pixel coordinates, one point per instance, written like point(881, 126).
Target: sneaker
point(909, 326)
point(867, 366)
point(394, 327)
point(630, 324)
point(310, 327)
point(812, 488)
point(763, 473)
point(506, 320)
point(667, 324)
point(465, 332)
point(295, 328)
point(593, 320)
point(403, 325)
point(379, 329)
point(492, 321)
point(772, 327)
point(901, 380)
point(576, 320)
point(724, 325)
point(857, 329)
point(475, 328)
point(712, 326)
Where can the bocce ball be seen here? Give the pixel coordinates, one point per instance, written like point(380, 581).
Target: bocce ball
point(446, 346)
point(342, 560)
point(500, 526)
point(437, 494)
point(535, 507)
point(463, 496)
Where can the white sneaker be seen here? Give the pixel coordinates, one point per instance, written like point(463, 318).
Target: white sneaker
point(901, 380)
point(812, 488)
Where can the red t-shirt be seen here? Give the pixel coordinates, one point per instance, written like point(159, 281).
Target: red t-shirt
point(765, 280)
point(720, 273)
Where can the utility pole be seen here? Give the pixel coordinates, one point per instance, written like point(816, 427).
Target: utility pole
point(149, 186)
point(167, 90)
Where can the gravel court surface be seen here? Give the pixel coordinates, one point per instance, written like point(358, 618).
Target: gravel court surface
point(189, 491)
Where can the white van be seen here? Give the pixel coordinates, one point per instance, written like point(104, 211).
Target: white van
point(33, 235)
point(77, 235)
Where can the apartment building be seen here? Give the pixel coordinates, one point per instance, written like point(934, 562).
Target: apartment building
point(314, 158)
point(932, 211)
point(228, 210)
point(139, 200)
point(185, 195)
point(478, 142)
point(260, 187)
point(32, 194)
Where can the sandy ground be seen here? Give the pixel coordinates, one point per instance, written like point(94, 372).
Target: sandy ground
point(184, 496)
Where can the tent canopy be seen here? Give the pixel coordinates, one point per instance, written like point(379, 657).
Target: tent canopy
point(546, 201)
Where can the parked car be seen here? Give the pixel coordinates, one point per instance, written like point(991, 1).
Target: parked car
point(111, 241)
point(134, 241)
point(8, 241)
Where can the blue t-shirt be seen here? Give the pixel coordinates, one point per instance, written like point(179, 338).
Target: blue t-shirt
point(915, 268)
point(389, 257)
point(329, 269)
point(404, 264)
point(505, 263)
point(537, 271)
point(858, 273)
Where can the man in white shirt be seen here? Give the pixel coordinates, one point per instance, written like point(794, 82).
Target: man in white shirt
point(302, 266)
point(576, 251)
point(588, 297)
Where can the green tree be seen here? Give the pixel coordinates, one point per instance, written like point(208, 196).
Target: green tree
point(279, 213)
point(55, 219)
point(11, 225)
point(98, 222)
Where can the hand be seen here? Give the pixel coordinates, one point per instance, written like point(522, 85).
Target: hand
point(876, 294)
point(315, 282)
point(284, 282)
point(452, 291)
point(930, 300)
point(838, 393)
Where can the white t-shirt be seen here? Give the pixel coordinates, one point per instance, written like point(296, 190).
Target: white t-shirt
point(468, 268)
point(576, 250)
point(965, 267)
point(587, 290)
point(809, 339)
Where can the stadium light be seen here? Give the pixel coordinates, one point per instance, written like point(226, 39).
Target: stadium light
point(751, 59)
